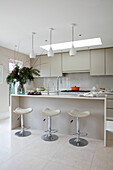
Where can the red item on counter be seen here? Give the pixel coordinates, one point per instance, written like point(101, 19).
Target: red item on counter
point(75, 88)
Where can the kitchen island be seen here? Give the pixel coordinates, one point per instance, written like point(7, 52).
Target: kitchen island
point(93, 125)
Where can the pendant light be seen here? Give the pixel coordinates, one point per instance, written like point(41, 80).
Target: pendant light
point(50, 52)
point(72, 51)
point(32, 54)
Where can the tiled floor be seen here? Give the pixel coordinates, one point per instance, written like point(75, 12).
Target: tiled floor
point(32, 153)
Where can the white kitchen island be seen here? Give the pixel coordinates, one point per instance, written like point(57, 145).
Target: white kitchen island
point(93, 125)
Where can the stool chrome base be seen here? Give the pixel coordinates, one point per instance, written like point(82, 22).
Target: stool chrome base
point(23, 134)
point(49, 138)
point(80, 143)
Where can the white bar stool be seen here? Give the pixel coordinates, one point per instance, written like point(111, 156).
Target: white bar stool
point(21, 112)
point(49, 113)
point(78, 141)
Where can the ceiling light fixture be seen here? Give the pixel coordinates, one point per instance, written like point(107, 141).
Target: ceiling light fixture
point(50, 52)
point(77, 44)
point(72, 51)
point(32, 54)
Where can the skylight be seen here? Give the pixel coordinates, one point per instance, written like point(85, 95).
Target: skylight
point(77, 44)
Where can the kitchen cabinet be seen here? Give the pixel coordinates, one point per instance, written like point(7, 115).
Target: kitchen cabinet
point(109, 61)
point(78, 63)
point(36, 63)
point(45, 66)
point(56, 65)
point(108, 117)
point(97, 62)
point(101, 62)
point(51, 66)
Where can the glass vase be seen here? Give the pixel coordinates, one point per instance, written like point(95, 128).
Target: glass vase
point(20, 89)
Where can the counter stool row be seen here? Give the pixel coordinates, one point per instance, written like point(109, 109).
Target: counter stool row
point(50, 113)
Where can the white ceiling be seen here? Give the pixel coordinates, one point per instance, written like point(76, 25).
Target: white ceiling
point(19, 18)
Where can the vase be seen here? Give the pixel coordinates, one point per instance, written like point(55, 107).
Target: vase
point(20, 89)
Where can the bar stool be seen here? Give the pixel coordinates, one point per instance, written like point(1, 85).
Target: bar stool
point(78, 141)
point(49, 113)
point(21, 112)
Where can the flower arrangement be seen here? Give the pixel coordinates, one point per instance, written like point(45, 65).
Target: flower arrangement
point(22, 75)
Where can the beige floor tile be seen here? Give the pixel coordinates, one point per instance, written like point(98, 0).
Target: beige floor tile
point(24, 162)
point(54, 165)
point(73, 156)
point(32, 153)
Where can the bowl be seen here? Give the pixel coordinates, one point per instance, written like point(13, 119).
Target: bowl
point(40, 89)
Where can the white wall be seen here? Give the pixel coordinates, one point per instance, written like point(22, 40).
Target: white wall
point(5, 55)
point(84, 80)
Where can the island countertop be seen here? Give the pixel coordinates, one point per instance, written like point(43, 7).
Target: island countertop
point(61, 96)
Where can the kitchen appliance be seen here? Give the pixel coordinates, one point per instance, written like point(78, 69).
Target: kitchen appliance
point(74, 91)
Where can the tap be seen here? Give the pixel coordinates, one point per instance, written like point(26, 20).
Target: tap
point(48, 86)
point(58, 78)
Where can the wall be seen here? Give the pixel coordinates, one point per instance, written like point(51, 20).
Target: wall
point(5, 55)
point(84, 80)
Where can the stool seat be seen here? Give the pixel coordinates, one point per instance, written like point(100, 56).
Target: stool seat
point(77, 113)
point(49, 112)
point(22, 111)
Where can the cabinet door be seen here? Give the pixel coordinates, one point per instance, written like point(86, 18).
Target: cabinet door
point(36, 63)
point(78, 63)
point(56, 68)
point(109, 61)
point(97, 62)
point(45, 66)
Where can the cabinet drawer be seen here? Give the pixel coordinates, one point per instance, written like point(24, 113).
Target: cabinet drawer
point(109, 112)
point(109, 125)
point(109, 96)
point(109, 103)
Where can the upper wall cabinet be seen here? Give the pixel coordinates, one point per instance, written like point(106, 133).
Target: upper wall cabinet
point(78, 63)
point(109, 61)
point(56, 65)
point(51, 66)
point(102, 62)
point(97, 62)
point(45, 66)
point(36, 63)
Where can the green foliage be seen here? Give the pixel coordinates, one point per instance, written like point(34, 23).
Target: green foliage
point(22, 75)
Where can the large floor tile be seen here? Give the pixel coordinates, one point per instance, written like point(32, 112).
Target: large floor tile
point(32, 153)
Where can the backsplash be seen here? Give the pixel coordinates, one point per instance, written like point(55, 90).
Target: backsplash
point(84, 80)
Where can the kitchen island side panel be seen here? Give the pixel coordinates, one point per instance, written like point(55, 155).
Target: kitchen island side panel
point(93, 125)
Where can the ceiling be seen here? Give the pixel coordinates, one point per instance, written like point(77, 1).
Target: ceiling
point(19, 18)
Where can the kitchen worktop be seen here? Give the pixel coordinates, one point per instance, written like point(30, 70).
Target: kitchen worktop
point(61, 96)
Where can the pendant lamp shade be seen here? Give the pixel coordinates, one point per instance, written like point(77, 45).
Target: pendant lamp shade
point(50, 52)
point(72, 51)
point(32, 54)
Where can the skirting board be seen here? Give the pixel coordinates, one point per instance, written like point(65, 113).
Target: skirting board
point(4, 115)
